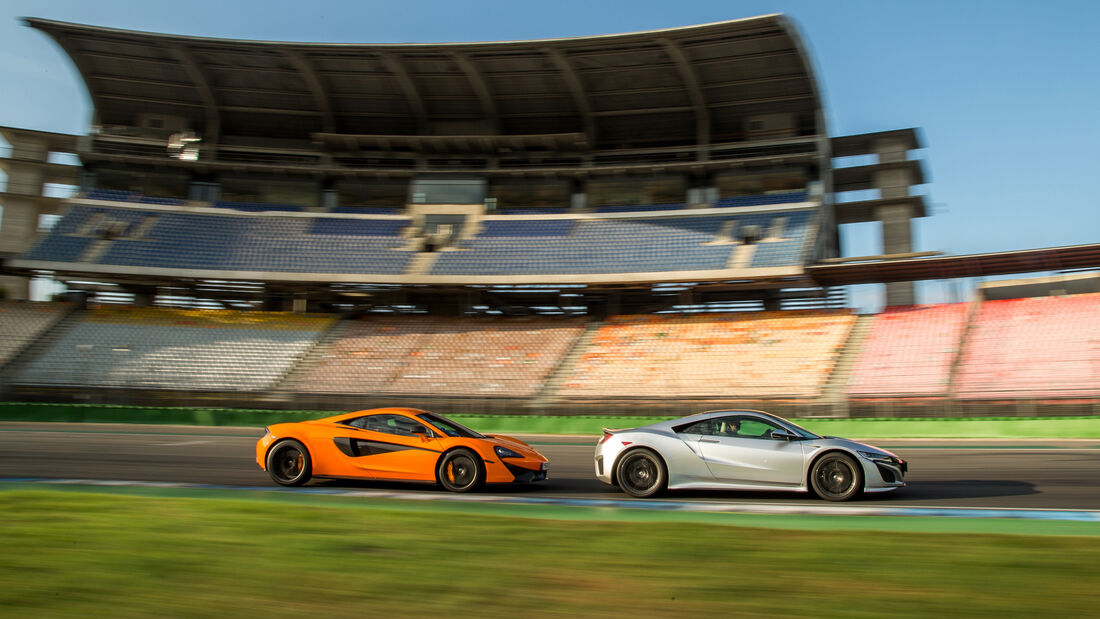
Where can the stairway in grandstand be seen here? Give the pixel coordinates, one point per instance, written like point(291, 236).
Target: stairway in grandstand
point(422, 263)
point(299, 373)
point(956, 361)
point(834, 391)
point(43, 339)
point(568, 363)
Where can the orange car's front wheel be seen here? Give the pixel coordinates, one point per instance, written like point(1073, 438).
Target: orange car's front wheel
point(289, 464)
point(460, 471)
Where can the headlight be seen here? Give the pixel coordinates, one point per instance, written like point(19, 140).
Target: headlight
point(877, 456)
point(504, 452)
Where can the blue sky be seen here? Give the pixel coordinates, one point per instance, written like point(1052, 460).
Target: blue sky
point(1004, 93)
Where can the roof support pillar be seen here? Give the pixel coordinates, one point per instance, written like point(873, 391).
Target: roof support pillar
point(412, 94)
point(481, 87)
point(576, 88)
point(310, 77)
point(695, 92)
point(212, 133)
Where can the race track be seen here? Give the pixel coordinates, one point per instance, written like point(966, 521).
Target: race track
point(1020, 474)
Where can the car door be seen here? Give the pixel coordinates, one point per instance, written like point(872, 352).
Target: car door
point(388, 446)
point(749, 455)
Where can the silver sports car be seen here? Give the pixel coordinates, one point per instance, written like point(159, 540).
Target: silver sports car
point(742, 450)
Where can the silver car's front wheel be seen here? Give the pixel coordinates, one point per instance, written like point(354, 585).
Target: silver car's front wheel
point(641, 473)
point(836, 477)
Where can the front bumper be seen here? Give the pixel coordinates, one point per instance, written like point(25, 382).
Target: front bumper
point(882, 474)
point(523, 475)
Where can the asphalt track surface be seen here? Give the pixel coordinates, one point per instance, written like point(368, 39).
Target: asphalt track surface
point(956, 473)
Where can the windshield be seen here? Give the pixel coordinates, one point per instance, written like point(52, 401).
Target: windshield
point(803, 432)
point(448, 427)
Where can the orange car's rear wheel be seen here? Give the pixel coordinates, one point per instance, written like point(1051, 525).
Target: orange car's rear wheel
point(460, 471)
point(289, 464)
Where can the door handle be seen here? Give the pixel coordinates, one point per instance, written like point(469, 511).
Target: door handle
point(709, 440)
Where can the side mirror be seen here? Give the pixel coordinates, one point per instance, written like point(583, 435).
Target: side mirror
point(421, 431)
point(785, 435)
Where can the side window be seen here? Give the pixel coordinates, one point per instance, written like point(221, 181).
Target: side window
point(389, 424)
point(752, 427)
point(704, 427)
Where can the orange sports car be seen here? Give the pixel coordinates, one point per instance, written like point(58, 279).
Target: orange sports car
point(395, 444)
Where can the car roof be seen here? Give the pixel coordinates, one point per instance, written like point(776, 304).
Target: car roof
point(399, 410)
point(707, 415)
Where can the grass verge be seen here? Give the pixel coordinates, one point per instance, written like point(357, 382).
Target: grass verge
point(130, 556)
point(942, 427)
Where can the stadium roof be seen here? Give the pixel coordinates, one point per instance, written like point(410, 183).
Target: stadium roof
point(950, 267)
point(689, 86)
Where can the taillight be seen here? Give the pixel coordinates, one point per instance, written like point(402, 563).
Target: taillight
point(606, 435)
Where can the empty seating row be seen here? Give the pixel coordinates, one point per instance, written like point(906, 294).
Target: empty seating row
point(624, 245)
point(1032, 348)
point(174, 349)
point(746, 355)
point(909, 352)
point(433, 357)
point(208, 241)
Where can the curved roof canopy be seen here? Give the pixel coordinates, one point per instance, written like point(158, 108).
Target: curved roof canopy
point(689, 86)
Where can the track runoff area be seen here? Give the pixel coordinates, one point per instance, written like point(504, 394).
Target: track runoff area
point(1024, 484)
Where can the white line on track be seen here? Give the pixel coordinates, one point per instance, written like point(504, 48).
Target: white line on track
point(1076, 515)
point(181, 443)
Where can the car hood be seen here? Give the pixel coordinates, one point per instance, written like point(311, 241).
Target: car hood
point(836, 441)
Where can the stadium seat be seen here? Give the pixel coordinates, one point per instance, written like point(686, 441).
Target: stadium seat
point(909, 352)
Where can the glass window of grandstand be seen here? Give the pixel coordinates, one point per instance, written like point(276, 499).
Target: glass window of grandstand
point(518, 195)
point(448, 191)
point(636, 191)
point(750, 182)
point(148, 183)
point(257, 189)
point(375, 194)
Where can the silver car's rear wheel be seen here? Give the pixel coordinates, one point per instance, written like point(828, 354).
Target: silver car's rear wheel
point(836, 477)
point(641, 473)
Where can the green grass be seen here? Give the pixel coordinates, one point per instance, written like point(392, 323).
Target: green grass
point(941, 427)
point(89, 554)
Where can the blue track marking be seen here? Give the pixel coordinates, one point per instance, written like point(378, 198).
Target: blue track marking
point(1066, 515)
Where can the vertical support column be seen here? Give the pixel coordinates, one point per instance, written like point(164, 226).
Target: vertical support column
point(26, 176)
point(578, 195)
point(897, 227)
point(897, 238)
point(330, 199)
point(701, 190)
point(772, 302)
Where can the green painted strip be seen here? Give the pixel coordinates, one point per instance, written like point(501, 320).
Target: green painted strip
point(612, 514)
point(940, 427)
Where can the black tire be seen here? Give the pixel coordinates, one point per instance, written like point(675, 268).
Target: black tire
point(641, 473)
point(289, 464)
point(460, 471)
point(836, 477)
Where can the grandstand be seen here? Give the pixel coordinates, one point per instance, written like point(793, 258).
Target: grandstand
point(500, 226)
